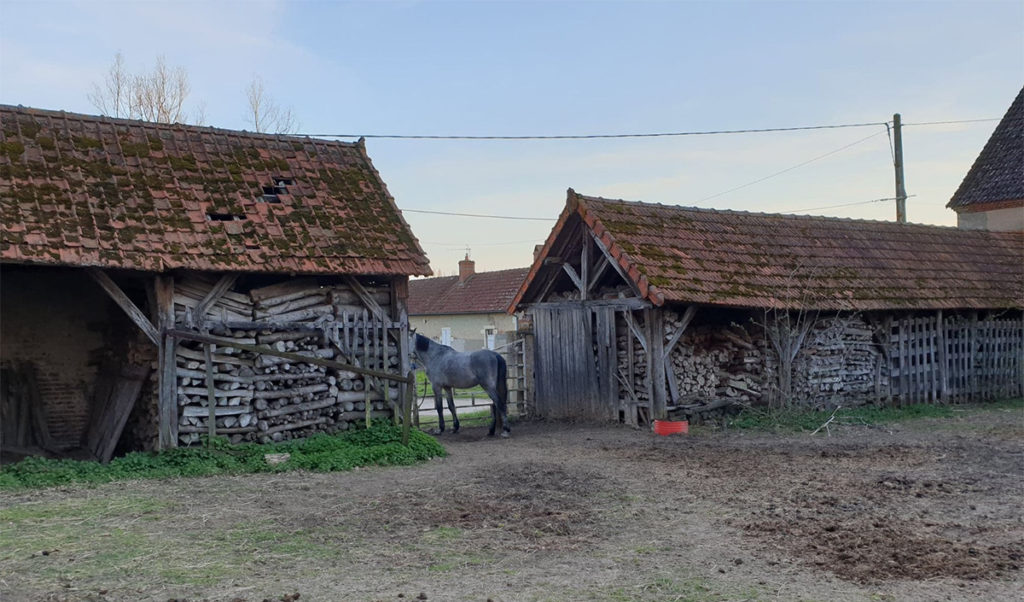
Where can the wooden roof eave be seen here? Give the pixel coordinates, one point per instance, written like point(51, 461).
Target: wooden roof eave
point(592, 227)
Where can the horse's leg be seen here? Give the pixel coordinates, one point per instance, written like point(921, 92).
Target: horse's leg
point(451, 406)
point(494, 419)
point(499, 411)
point(439, 406)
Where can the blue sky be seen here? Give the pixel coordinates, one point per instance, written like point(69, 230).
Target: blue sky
point(550, 68)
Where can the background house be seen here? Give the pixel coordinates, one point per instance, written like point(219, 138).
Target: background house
point(468, 311)
point(991, 197)
point(642, 309)
point(124, 243)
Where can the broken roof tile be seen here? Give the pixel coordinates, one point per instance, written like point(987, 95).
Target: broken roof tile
point(134, 189)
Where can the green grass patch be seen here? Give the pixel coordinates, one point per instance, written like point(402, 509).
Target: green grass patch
point(466, 418)
point(379, 445)
point(796, 420)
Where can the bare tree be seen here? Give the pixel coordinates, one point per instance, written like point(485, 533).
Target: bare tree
point(264, 114)
point(155, 96)
point(112, 98)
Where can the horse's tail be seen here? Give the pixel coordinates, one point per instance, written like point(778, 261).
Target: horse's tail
point(502, 384)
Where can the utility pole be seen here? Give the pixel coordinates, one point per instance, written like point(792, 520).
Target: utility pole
point(901, 191)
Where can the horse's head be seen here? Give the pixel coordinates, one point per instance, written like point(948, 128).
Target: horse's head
point(419, 343)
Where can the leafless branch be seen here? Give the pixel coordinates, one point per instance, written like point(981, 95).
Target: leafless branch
point(264, 114)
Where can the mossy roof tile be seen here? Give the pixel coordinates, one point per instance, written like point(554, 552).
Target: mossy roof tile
point(71, 182)
point(764, 260)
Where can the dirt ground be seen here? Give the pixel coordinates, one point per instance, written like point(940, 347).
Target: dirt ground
point(923, 510)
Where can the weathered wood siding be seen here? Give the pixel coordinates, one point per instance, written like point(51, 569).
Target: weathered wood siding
point(956, 357)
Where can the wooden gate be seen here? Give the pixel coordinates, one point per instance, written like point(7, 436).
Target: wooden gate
point(575, 360)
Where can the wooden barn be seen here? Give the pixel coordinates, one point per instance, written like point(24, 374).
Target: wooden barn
point(643, 311)
point(161, 282)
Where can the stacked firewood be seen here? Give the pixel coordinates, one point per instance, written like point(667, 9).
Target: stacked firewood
point(262, 397)
point(838, 363)
point(718, 362)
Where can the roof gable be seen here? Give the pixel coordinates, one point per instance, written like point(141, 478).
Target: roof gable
point(86, 190)
point(761, 260)
point(483, 292)
point(996, 179)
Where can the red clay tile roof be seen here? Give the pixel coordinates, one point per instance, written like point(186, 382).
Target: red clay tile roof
point(763, 260)
point(85, 190)
point(996, 180)
point(481, 293)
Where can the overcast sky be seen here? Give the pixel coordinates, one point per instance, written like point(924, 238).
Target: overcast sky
point(572, 68)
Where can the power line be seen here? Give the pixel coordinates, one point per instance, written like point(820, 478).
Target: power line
point(537, 219)
point(480, 244)
point(594, 136)
point(892, 198)
point(788, 169)
point(640, 135)
point(954, 121)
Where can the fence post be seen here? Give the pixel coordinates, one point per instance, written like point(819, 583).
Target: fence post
point(407, 403)
point(943, 361)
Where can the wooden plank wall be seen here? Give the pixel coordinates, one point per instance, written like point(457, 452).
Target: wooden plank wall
point(574, 359)
point(956, 358)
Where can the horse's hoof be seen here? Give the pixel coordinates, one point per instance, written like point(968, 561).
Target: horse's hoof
point(505, 435)
point(436, 432)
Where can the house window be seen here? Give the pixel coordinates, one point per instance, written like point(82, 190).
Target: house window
point(446, 336)
point(489, 336)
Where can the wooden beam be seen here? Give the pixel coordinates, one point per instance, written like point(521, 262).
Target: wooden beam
point(637, 332)
point(584, 264)
point(226, 282)
point(573, 276)
point(599, 269)
point(167, 379)
point(656, 362)
point(614, 263)
point(125, 303)
point(295, 357)
point(687, 317)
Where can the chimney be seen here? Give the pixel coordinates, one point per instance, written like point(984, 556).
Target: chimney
point(466, 269)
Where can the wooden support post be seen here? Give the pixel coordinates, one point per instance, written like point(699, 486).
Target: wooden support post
point(584, 266)
point(656, 363)
point(943, 357)
point(400, 314)
point(407, 403)
point(129, 307)
point(367, 383)
point(167, 401)
point(211, 398)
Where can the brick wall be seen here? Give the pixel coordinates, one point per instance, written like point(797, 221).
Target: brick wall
point(57, 319)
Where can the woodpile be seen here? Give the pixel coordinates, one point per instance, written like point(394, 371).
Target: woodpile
point(262, 397)
point(839, 364)
point(713, 367)
point(712, 363)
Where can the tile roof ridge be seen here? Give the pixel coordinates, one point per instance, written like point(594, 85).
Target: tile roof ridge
point(826, 218)
point(72, 115)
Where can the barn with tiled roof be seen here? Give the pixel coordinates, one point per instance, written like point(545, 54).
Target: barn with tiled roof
point(119, 239)
point(643, 308)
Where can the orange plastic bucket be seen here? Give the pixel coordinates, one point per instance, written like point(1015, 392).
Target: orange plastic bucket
point(671, 427)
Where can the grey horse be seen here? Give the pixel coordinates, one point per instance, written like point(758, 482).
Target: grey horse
point(448, 369)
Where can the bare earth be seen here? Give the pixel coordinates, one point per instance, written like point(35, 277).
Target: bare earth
point(925, 510)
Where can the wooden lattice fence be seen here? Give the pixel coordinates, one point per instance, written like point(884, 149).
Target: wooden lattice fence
point(956, 358)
